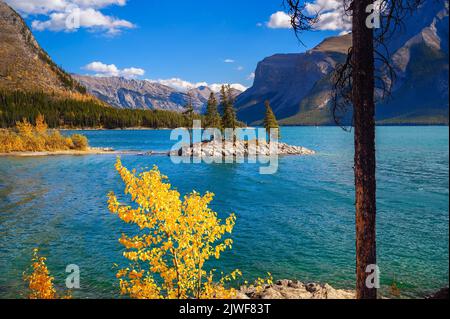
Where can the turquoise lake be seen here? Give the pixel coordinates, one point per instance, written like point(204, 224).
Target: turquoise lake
point(296, 224)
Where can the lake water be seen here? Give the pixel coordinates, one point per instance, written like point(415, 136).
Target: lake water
point(296, 224)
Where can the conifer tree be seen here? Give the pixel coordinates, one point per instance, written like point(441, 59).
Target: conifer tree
point(212, 117)
point(189, 111)
point(229, 114)
point(270, 121)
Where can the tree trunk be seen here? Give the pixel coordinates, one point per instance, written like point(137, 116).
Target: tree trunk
point(365, 166)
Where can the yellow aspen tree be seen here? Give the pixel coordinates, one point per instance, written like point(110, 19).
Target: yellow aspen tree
point(41, 126)
point(25, 128)
point(39, 281)
point(176, 239)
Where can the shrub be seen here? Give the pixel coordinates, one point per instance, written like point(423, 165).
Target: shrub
point(176, 239)
point(79, 142)
point(41, 126)
point(40, 283)
point(29, 138)
point(56, 142)
point(24, 128)
point(10, 141)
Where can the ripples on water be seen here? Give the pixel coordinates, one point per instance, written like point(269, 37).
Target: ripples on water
point(298, 223)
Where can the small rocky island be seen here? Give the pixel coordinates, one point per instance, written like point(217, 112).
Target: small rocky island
point(216, 148)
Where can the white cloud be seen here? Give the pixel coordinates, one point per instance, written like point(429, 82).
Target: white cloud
point(70, 15)
point(89, 18)
point(240, 68)
point(216, 87)
point(279, 20)
point(322, 5)
point(179, 84)
point(37, 6)
point(331, 16)
point(47, 6)
point(132, 72)
point(98, 3)
point(107, 69)
point(229, 61)
point(251, 76)
point(184, 86)
point(102, 69)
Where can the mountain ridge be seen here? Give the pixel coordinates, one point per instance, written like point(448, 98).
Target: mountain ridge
point(25, 65)
point(143, 94)
point(287, 79)
point(299, 85)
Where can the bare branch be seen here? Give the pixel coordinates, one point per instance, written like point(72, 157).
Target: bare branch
point(300, 20)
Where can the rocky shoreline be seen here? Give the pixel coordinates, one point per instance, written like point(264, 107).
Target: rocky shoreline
point(89, 151)
point(293, 289)
point(441, 294)
point(240, 149)
point(289, 289)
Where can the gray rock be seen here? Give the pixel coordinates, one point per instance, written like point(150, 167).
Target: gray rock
point(241, 149)
point(288, 289)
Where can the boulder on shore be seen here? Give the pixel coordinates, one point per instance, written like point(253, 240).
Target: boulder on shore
point(288, 289)
point(441, 294)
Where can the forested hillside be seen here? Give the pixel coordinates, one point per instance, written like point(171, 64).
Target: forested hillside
point(31, 83)
point(71, 113)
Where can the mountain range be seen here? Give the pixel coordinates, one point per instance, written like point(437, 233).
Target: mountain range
point(299, 86)
point(25, 66)
point(143, 94)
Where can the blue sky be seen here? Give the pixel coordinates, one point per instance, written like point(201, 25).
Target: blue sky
point(218, 41)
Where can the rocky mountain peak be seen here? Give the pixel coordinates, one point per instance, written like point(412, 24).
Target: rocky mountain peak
point(299, 86)
point(24, 65)
point(16, 26)
point(338, 44)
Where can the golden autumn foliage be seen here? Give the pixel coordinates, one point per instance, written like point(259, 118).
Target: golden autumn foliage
point(175, 240)
point(40, 283)
point(29, 138)
point(41, 127)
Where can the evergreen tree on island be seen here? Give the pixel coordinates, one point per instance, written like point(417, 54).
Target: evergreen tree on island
point(212, 116)
point(270, 121)
point(229, 114)
point(189, 112)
